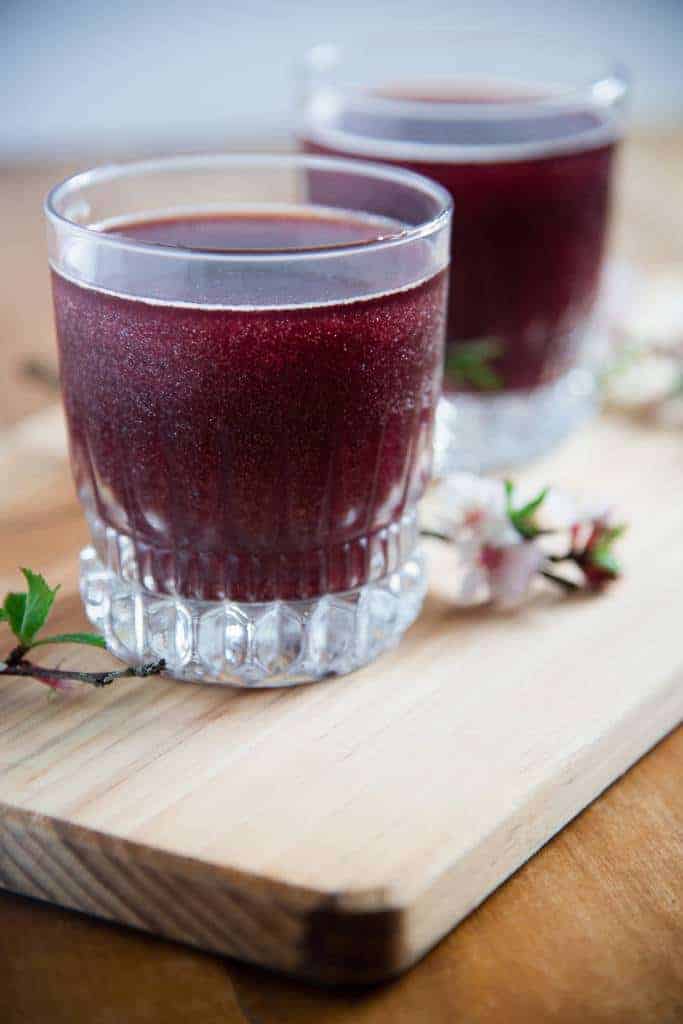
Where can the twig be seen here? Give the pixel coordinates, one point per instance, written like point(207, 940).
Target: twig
point(435, 535)
point(16, 655)
point(22, 667)
point(561, 581)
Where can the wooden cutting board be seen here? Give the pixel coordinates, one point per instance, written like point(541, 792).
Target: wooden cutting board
point(338, 831)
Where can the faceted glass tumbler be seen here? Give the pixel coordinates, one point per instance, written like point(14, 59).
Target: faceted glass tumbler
point(523, 133)
point(251, 425)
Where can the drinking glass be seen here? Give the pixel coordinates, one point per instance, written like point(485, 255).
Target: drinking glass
point(522, 131)
point(250, 381)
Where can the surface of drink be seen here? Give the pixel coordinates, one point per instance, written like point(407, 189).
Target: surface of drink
point(531, 198)
point(251, 452)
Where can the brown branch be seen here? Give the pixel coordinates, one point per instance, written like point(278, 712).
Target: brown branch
point(22, 667)
point(561, 581)
point(435, 535)
point(16, 655)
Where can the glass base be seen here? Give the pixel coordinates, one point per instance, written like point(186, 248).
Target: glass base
point(276, 643)
point(478, 433)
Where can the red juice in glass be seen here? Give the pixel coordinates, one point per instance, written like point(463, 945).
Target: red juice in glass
point(529, 167)
point(250, 395)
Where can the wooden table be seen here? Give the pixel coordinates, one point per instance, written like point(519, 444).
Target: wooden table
point(591, 929)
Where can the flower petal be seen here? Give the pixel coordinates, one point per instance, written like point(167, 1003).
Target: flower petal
point(511, 574)
point(646, 380)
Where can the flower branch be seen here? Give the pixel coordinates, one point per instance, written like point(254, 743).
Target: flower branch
point(504, 543)
point(26, 614)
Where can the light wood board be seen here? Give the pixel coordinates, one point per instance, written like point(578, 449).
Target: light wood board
point(338, 831)
point(590, 929)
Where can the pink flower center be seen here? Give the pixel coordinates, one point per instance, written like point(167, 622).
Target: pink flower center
point(491, 558)
point(475, 517)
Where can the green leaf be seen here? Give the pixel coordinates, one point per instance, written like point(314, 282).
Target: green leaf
point(602, 555)
point(93, 639)
point(469, 363)
point(522, 518)
point(483, 377)
point(27, 613)
point(482, 348)
point(611, 534)
point(38, 604)
point(527, 511)
point(523, 527)
point(14, 609)
point(4, 617)
point(604, 558)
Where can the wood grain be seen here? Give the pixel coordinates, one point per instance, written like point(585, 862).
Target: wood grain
point(337, 831)
point(590, 929)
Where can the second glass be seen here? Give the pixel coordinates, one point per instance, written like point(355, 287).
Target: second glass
point(523, 133)
point(250, 381)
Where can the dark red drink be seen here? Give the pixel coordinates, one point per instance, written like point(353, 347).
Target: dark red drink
point(531, 193)
point(250, 453)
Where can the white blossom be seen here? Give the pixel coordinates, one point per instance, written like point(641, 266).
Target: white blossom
point(645, 380)
point(472, 508)
point(495, 563)
point(502, 541)
point(511, 570)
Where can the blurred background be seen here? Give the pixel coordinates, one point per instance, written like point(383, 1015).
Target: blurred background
point(81, 78)
point(84, 81)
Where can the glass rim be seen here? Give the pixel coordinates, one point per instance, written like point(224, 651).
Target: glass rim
point(346, 165)
point(609, 85)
